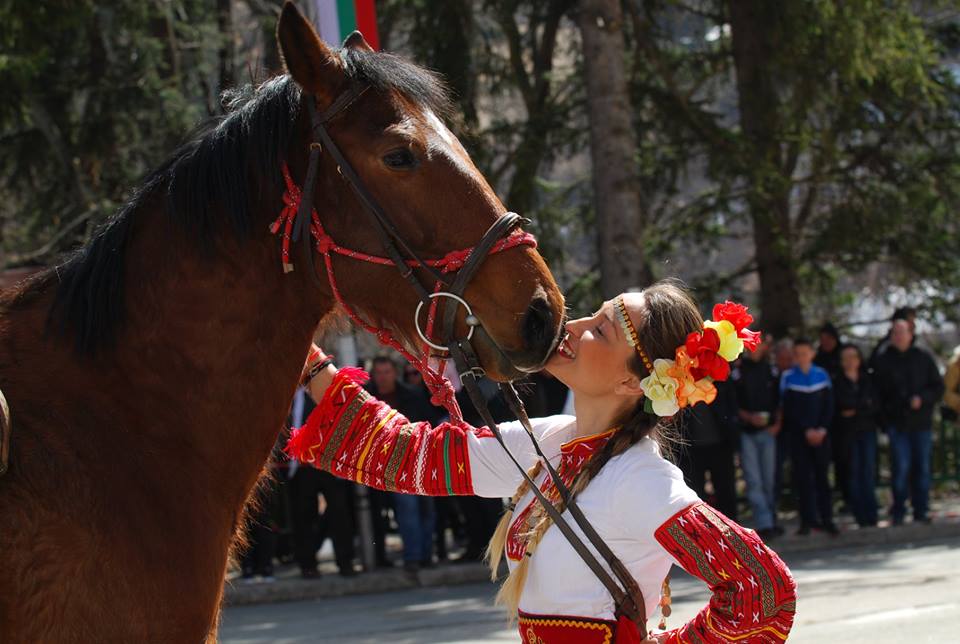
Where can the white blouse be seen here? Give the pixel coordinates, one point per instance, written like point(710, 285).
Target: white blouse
point(633, 495)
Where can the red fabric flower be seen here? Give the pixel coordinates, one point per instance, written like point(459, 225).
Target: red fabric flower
point(751, 339)
point(737, 315)
point(702, 348)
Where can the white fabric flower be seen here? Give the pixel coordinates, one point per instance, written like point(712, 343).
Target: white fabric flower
point(661, 389)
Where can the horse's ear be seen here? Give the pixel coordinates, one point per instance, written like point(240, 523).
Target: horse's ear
point(309, 61)
point(356, 41)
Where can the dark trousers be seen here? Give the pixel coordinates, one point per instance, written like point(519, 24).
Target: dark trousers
point(718, 460)
point(841, 445)
point(310, 528)
point(480, 517)
point(380, 504)
point(910, 453)
point(863, 477)
point(811, 467)
point(262, 529)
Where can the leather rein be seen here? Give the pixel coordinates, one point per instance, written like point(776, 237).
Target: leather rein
point(300, 222)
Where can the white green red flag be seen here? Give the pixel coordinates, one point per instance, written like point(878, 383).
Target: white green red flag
point(337, 19)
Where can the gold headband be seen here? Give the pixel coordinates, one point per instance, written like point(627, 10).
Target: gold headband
point(630, 331)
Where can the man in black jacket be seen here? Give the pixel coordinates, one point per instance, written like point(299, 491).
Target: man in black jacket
point(910, 385)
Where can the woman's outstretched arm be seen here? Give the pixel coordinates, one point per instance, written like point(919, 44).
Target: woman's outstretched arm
point(357, 437)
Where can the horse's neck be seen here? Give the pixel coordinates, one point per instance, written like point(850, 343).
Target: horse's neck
point(202, 373)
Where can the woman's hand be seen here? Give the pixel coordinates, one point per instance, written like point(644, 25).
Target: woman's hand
point(317, 376)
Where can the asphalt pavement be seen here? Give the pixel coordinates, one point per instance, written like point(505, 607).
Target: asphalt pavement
point(887, 593)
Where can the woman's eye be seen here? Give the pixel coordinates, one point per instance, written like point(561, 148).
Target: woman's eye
point(400, 159)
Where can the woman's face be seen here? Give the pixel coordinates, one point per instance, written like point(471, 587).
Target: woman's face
point(592, 360)
point(850, 359)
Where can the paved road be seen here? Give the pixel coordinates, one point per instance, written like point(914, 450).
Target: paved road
point(889, 594)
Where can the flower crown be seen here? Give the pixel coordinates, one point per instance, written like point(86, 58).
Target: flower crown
point(702, 360)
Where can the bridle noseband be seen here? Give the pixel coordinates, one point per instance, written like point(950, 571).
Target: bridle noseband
point(300, 218)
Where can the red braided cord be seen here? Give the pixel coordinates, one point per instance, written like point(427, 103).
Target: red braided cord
point(441, 390)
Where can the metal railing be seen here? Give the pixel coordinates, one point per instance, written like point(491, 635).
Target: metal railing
point(946, 451)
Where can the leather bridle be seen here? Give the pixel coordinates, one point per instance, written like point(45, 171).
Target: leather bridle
point(300, 222)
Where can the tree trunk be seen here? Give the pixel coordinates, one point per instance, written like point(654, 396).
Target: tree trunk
point(755, 28)
point(227, 44)
point(613, 147)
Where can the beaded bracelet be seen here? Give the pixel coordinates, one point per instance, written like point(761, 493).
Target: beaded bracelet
point(316, 369)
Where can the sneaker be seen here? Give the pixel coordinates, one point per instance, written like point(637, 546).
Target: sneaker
point(804, 531)
point(896, 521)
point(926, 520)
point(412, 567)
point(309, 573)
point(832, 529)
point(348, 572)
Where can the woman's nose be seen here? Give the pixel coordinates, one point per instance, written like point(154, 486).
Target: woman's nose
point(576, 327)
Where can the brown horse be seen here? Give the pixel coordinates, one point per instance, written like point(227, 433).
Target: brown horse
point(148, 375)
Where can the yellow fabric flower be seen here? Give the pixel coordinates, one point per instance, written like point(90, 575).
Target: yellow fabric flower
point(731, 346)
point(660, 388)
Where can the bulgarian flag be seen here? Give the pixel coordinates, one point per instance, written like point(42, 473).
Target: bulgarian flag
point(337, 19)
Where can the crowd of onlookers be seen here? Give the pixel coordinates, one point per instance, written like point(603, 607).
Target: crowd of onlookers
point(793, 410)
point(807, 407)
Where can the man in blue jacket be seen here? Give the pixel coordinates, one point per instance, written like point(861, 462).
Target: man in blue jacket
point(806, 406)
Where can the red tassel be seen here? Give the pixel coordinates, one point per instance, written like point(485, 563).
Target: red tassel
point(356, 375)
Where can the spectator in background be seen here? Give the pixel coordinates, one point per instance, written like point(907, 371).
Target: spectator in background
point(806, 408)
point(263, 522)
point(713, 433)
point(415, 515)
point(951, 381)
point(828, 359)
point(481, 515)
point(906, 313)
point(310, 528)
point(910, 386)
point(757, 395)
point(828, 351)
point(856, 423)
point(782, 362)
point(446, 510)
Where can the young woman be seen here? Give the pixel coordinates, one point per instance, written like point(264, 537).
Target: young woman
point(858, 409)
point(632, 366)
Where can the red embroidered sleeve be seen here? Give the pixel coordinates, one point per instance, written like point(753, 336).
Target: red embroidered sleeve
point(754, 595)
point(355, 436)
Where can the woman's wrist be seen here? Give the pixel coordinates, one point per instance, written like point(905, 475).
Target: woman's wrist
point(321, 363)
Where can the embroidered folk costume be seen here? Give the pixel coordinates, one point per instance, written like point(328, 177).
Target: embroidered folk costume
point(637, 502)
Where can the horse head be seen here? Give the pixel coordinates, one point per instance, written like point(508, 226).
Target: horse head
point(387, 122)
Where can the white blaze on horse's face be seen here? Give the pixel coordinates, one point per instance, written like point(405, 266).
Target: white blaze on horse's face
point(447, 144)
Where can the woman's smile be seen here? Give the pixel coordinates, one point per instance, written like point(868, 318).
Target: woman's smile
point(565, 349)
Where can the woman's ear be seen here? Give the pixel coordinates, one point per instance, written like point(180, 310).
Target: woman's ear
point(629, 386)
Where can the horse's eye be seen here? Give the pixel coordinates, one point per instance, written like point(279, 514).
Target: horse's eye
point(400, 159)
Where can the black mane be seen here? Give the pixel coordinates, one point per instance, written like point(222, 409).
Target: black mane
point(211, 168)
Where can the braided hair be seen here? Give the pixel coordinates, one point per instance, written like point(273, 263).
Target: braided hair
point(668, 314)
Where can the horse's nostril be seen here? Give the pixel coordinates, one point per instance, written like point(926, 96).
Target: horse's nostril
point(538, 324)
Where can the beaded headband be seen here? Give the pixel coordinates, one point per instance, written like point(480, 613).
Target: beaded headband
point(630, 331)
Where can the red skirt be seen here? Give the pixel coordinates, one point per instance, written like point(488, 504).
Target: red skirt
point(565, 629)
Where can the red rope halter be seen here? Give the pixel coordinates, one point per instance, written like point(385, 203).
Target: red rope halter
point(441, 390)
